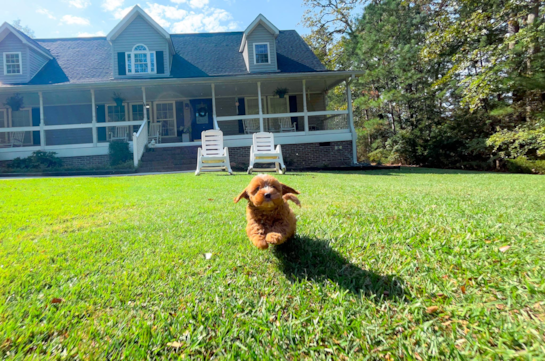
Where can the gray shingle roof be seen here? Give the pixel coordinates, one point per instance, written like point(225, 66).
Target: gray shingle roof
point(31, 41)
point(89, 60)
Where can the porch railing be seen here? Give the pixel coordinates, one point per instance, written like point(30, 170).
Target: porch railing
point(139, 142)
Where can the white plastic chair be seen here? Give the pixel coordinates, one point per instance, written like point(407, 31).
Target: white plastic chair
point(286, 125)
point(213, 157)
point(263, 151)
point(155, 132)
point(120, 133)
point(17, 139)
point(250, 126)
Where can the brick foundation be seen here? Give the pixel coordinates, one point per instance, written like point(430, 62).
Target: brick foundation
point(300, 156)
point(92, 161)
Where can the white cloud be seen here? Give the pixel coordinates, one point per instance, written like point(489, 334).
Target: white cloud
point(74, 20)
point(111, 5)
point(193, 3)
point(120, 13)
point(47, 13)
point(160, 12)
point(88, 35)
point(80, 4)
point(211, 20)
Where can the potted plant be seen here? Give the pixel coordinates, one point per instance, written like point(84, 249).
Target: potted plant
point(281, 92)
point(118, 99)
point(15, 102)
point(185, 133)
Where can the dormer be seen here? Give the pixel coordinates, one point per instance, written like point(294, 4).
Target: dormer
point(258, 46)
point(20, 56)
point(140, 46)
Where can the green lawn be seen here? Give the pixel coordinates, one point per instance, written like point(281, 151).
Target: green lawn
point(115, 268)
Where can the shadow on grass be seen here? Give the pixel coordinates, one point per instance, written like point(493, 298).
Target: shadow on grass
point(305, 258)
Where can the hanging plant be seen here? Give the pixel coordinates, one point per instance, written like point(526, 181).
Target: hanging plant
point(118, 99)
point(281, 92)
point(15, 102)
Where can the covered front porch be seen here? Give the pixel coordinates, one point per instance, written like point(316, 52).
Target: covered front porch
point(82, 120)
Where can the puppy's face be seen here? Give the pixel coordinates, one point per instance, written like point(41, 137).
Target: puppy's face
point(265, 192)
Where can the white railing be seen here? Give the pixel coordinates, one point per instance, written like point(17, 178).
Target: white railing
point(139, 142)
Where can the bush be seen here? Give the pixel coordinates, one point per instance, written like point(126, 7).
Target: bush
point(38, 160)
point(523, 165)
point(119, 153)
point(379, 156)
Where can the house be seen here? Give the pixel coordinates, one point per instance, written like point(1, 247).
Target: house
point(146, 85)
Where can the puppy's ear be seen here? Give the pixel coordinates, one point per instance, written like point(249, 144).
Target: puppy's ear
point(287, 189)
point(293, 198)
point(244, 194)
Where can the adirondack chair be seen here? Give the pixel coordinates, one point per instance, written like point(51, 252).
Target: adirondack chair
point(213, 157)
point(286, 125)
point(119, 133)
point(155, 132)
point(17, 139)
point(263, 151)
point(250, 126)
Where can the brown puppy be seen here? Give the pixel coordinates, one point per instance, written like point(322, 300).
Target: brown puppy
point(270, 219)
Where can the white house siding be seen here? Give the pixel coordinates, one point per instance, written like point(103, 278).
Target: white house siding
point(140, 32)
point(11, 43)
point(261, 35)
point(36, 61)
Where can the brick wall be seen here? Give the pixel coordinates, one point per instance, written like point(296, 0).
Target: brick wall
point(299, 156)
point(93, 161)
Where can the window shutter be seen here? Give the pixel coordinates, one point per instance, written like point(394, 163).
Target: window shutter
point(121, 68)
point(160, 62)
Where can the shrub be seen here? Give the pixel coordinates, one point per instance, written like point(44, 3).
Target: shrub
point(379, 156)
point(119, 153)
point(523, 165)
point(38, 160)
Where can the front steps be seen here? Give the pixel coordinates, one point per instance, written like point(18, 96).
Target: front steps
point(169, 159)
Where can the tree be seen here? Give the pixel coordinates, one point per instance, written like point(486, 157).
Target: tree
point(25, 29)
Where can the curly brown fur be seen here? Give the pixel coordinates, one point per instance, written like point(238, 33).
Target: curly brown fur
point(270, 219)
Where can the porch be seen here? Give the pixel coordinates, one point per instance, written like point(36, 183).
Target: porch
point(81, 121)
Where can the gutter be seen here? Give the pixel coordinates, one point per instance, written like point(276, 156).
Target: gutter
point(180, 81)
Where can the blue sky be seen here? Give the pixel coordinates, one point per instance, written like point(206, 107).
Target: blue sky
point(71, 18)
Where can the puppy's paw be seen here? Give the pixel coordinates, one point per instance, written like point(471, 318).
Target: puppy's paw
point(260, 243)
point(274, 238)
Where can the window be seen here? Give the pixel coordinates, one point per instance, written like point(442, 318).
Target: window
point(13, 64)
point(261, 51)
point(140, 60)
point(166, 115)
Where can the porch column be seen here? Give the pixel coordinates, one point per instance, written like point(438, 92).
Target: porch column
point(305, 105)
point(145, 104)
point(42, 122)
point(351, 121)
point(214, 106)
point(261, 128)
point(94, 120)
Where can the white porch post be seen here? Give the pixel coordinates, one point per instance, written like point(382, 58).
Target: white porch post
point(216, 126)
point(94, 120)
point(145, 103)
point(351, 122)
point(305, 105)
point(261, 128)
point(43, 142)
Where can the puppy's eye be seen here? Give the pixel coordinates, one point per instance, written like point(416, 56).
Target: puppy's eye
point(256, 190)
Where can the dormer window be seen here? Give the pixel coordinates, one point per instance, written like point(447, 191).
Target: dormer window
point(141, 60)
point(13, 64)
point(261, 51)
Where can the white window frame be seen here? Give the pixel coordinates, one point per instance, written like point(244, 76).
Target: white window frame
point(150, 118)
point(132, 54)
point(156, 120)
point(10, 123)
point(20, 63)
point(264, 104)
point(115, 105)
point(268, 54)
point(277, 97)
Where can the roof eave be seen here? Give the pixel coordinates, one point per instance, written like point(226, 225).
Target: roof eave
point(136, 10)
point(23, 40)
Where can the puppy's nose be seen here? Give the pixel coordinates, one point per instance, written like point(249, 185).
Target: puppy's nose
point(268, 195)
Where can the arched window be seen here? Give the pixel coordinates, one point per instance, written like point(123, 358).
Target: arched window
point(140, 60)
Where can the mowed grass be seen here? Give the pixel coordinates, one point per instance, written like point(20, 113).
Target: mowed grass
point(387, 265)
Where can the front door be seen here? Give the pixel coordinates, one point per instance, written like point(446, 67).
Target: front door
point(202, 117)
point(165, 113)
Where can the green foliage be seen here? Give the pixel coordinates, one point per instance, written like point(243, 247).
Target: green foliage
point(119, 153)
point(38, 160)
point(15, 102)
point(523, 141)
point(523, 165)
point(379, 156)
